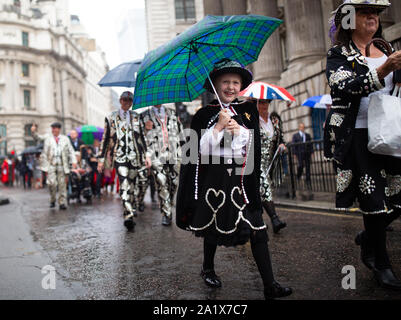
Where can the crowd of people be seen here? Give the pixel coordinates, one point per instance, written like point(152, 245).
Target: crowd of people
point(30, 170)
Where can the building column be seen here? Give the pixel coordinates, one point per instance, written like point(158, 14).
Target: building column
point(395, 10)
point(269, 65)
point(234, 7)
point(305, 32)
point(213, 7)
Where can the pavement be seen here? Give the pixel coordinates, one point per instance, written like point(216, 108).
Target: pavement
point(97, 259)
point(22, 260)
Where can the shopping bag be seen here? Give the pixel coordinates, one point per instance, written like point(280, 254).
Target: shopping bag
point(384, 124)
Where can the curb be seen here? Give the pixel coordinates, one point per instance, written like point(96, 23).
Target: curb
point(311, 207)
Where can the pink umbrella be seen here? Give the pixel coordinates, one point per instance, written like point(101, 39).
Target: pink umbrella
point(266, 91)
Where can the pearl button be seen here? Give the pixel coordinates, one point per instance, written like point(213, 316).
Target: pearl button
point(230, 161)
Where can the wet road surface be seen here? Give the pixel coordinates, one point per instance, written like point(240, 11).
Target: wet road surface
point(96, 258)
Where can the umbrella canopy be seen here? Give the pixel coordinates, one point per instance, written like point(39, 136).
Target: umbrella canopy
point(89, 133)
point(176, 72)
point(266, 91)
point(318, 102)
point(32, 150)
point(122, 76)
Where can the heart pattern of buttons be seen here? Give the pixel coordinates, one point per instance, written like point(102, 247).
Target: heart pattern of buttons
point(233, 200)
point(216, 194)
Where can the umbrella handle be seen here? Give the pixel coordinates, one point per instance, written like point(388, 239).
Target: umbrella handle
point(211, 82)
point(271, 164)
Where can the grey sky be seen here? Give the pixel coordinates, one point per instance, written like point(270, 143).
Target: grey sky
point(102, 19)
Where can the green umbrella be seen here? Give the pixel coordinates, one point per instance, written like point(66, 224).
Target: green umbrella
point(176, 72)
point(86, 133)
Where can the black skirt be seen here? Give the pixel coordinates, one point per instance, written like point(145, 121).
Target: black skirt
point(374, 180)
point(222, 215)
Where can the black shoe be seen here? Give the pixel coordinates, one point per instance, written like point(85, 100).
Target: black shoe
point(63, 207)
point(141, 207)
point(277, 224)
point(52, 205)
point(277, 291)
point(211, 279)
point(367, 253)
point(135, 214)
point(155, 205)
point(387, 279)
point(129, 223)
point(166, 221)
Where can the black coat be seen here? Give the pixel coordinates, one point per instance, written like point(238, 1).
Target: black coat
point(350, 79)
point(186, 202)
point(302, 149)
point(79, 144)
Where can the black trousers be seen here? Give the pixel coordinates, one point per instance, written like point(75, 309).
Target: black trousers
point(260, 252)
point(28, 175)
point(375, 227)
point(304, 162)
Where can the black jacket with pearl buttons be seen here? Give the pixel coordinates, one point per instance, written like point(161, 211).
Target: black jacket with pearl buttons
point(350, 79)
point(203, 119)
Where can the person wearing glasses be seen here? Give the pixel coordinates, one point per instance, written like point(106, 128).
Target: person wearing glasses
point(123, 138)
point(354, 77)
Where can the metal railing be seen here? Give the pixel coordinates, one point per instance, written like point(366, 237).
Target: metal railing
point(321, 176)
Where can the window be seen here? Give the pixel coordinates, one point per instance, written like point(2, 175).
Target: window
point(27, 130)
point(185, 9)
point(25, 70)
point(25, 39)
point(318, 120)
point(27, 99)
point(29, 141)
point(3, 142)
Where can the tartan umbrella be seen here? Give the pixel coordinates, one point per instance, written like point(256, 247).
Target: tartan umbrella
point(176, 72)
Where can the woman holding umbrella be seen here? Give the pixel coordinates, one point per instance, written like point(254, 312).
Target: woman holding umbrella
point(216, 198)
point(272, 142)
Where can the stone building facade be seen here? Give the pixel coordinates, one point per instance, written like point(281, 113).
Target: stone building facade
point(165, 19)
point(43, 71)
point(98, 99)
